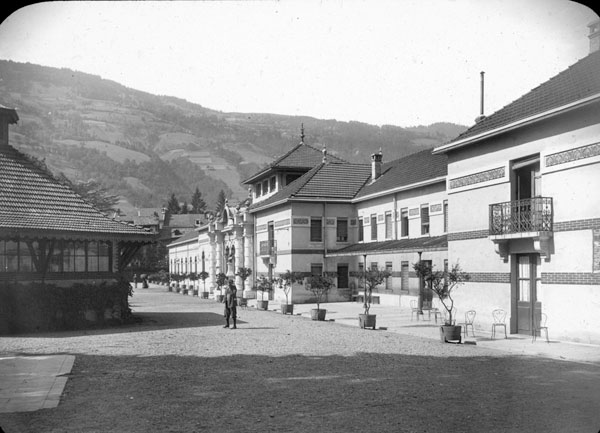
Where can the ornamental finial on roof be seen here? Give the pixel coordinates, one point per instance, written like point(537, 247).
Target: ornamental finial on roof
point(302, 133)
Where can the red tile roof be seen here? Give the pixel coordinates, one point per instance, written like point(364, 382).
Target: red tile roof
point(333, 181)
point(415, 168)
point(301, 157)
point(32, 200)
point(579, 81)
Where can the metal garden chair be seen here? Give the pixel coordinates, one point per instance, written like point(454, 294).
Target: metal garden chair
point(499, 316)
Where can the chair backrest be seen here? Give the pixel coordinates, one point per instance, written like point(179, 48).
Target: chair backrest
point(414, 304)
point(470, 316)
point(499, 315)
point(543, 319)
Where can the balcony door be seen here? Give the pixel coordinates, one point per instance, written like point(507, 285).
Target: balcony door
point(528, 281)
point(527, 184)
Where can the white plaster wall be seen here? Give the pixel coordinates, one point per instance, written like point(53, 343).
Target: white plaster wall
point(572, 312)
point(483, 298)
point(573, 252)
point(470, 210)
point(575, 192)
point(476, 255)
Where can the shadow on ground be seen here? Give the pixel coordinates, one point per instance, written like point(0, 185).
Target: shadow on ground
point(297, 393)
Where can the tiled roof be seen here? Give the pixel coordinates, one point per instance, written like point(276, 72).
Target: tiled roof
point(31, 200)
point(573, 84)
point(333, 180)
point(185, 238)
point(186, 220)
point(415, 168)
point(435, 243)
point(301, 157)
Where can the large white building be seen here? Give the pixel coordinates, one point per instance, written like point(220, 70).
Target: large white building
point(513, 200)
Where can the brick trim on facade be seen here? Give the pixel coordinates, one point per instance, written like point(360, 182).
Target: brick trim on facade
point(490, 277)
point(571, 278)
point(563, 226)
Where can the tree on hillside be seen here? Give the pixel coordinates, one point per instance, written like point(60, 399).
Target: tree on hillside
point(198, 204)
point(220, 202)
point(185, 208)
point(93, 193)
point(173, 205)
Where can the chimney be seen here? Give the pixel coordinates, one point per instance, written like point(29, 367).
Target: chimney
point(7, 116)
point(376, 159)
point(594, 35)
point(481, 115)
point(325, 156)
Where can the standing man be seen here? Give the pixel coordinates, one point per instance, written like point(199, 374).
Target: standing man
point(230, 301)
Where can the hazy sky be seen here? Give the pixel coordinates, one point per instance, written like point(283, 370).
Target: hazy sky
point(400, 62)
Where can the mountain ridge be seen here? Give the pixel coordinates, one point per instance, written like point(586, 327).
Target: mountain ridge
point(143, 147)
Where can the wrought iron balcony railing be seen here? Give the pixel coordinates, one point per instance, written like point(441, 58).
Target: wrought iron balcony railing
point(520, 216)
point(267, 248)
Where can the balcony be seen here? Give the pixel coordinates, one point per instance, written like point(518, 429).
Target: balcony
point(530, 218)
point(267, 248)
point(521, 216)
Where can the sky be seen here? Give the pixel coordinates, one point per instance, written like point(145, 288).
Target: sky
point(397, 62)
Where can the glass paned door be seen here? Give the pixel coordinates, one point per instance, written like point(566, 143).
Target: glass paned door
point(528, 280)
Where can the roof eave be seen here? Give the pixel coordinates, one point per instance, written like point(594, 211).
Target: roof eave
point(400, 189)
point(515, 125)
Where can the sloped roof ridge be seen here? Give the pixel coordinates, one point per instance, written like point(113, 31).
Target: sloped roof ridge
point(554, 99)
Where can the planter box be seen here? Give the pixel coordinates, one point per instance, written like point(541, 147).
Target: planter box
point(367, 320)
point(318, 314)
point(204, 295)
point(262, 305)
point(287, 308)
point(451, 333)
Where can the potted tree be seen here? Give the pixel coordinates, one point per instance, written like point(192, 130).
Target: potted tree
point(193, 278)
point(221, 281)
point(184, 286)
point(443, 283)
point(264, 285)
point(243, 273)
point(319, 286)
point(371, 279)
point(285, 281)
point(203, 276)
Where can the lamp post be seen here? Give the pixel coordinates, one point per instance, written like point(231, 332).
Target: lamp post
point(420, 301)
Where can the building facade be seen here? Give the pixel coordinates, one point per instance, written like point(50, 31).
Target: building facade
point(524, 209)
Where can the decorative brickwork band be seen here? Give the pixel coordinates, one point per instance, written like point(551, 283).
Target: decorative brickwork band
point(563, 226)
point(483, 176)
point(588, 224)
point(281, 223)
point(573, 154)
point(463, 236)
point(596, 257)
point(435, 208)
point(571, 278)
point(490, 277)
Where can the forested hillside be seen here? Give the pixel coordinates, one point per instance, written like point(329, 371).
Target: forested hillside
point(145, 147)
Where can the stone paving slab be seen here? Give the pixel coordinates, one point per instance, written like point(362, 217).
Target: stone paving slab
point(29, 383)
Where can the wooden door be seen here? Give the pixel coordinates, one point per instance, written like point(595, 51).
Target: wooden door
point(528, 280)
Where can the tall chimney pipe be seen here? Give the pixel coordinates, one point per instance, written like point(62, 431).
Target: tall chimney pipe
point(481, 115)
point(482, 80)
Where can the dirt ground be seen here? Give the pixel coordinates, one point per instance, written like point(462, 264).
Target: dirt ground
point(179, 370)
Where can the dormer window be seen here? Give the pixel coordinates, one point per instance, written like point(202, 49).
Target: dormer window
point(258, 189)
point(272, 184)
point(265, 186)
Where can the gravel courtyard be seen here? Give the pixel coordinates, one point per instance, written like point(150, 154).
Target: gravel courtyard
point(179, 370)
